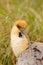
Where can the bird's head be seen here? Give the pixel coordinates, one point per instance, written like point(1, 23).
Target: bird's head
point(19, 41)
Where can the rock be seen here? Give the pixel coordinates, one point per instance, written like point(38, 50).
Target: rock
point(32, 56)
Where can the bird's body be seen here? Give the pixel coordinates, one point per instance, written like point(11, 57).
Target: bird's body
point(26, 53)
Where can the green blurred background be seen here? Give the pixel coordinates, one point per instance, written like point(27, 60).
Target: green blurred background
point(11, 10)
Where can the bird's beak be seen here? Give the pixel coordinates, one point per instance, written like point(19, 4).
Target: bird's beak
point(25, 33)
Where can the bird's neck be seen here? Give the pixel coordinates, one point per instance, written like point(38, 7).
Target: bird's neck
point(18, 45)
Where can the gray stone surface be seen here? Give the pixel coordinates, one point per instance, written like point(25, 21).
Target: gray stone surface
point(32, 56)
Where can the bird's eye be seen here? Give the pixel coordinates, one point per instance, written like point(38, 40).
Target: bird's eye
point(20, 34)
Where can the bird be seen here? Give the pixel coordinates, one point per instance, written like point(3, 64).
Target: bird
point(26, 52)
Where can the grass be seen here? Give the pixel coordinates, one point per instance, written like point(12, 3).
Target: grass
point(10, 10)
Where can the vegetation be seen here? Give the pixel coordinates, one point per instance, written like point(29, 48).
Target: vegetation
point(10, 10)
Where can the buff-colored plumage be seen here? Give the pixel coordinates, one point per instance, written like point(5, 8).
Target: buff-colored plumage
point(21, 23)
point(26, 53)
point(18, 44)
